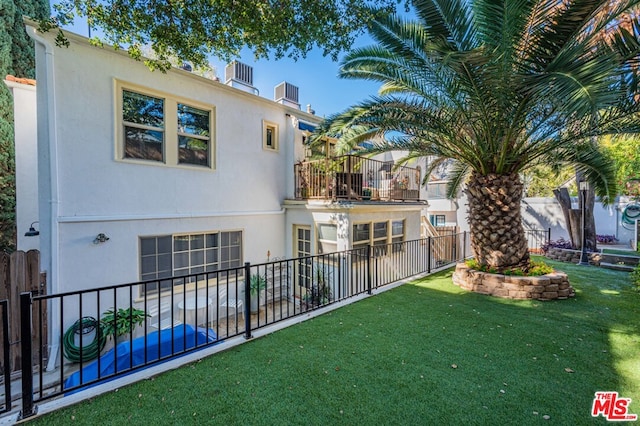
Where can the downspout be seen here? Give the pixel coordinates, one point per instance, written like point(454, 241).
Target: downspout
point(52, 220)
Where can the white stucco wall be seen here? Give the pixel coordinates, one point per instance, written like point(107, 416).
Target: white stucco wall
point(26, 160)
point(345, 215)
point(92, 191)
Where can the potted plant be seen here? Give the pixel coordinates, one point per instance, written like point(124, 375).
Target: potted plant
point(257, 285)
point(366, 193)
point(319, 293)
point(123, 321)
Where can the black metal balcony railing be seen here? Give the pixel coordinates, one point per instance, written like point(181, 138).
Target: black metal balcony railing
point(356, 178)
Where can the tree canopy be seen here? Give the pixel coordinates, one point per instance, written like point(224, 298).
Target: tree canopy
point(16, 58)
point(499, 87)
point(624, 150)
point(191, 30)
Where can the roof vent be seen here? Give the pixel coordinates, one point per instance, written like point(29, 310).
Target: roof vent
point(240, 76)
point(287, 94)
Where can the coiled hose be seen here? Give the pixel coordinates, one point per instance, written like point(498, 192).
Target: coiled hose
point(629, 215)
point(89, 350)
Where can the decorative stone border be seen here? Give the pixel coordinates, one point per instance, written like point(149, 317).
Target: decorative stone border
point(572, 256)
point(545, 287)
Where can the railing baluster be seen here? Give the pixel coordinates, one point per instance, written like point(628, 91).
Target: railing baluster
point(26, 352)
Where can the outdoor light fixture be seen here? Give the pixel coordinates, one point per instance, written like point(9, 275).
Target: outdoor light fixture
point(32, 232)
point(584, 259)
point(100, 238)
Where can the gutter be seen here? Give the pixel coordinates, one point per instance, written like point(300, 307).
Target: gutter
point(52, 142)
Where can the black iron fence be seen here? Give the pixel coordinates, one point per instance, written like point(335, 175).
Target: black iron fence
point(101, 334)
point(536, 238)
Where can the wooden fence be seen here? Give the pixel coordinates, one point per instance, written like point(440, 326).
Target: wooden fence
point(20, 272)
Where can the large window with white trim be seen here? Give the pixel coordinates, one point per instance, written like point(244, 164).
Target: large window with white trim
point(379, 235)
point(168, 256)
point(159, 128)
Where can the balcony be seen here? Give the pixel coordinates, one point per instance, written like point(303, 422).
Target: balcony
point(357, 179)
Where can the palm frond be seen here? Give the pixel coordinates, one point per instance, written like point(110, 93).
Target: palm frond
point(458, 174)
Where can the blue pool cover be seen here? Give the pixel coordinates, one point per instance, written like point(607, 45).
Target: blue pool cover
point(123, 360)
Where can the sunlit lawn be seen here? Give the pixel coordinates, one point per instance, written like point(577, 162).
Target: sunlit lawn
point(423, 353)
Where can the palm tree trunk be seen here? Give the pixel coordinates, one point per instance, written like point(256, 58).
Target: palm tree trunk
point(495, 221)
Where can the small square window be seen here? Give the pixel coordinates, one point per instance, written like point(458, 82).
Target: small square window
point(269, 136)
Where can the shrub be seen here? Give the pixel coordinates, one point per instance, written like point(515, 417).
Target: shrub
point(561, 243)
point(536, 268)
point(606, 239)
point(539, 268)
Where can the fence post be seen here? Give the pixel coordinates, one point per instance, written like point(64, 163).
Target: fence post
point(28, 409)
point(247, 300)
point(428, 254)
point(548, 235)
point(369, 268)
point(6, 358)
point(464, 245)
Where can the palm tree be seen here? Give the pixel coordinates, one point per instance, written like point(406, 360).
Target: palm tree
point(497, 87)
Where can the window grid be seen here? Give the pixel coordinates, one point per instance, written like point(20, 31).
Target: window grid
point(383, 234)
point(163, 129)
point(180, 255)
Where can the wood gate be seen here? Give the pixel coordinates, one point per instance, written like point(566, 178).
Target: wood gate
point(20, 272)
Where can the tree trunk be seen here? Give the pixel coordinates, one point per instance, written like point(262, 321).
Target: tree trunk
point(573, 218)
point(497, 236)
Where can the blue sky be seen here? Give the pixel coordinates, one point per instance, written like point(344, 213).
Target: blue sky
point(315, 76)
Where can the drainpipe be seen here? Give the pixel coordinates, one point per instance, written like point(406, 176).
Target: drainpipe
point(46, 87)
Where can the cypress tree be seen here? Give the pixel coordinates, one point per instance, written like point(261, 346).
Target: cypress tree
point(17, 58)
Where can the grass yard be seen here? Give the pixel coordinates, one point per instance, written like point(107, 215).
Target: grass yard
point(622, 252)
point(424, 353)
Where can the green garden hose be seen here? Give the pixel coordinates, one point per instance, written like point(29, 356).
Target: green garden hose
point(630, 213)
point(90, 350)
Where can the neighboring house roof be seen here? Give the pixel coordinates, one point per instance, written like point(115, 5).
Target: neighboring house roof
point(28, 81)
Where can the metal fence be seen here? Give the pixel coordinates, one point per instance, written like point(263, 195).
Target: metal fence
point(158, 320)
point(537, 238)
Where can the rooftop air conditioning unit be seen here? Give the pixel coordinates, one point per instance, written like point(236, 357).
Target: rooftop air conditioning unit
point(239, 75)
point(287, 94)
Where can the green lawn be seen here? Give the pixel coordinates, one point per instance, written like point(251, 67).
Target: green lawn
point(423, 353)
point(622, 252)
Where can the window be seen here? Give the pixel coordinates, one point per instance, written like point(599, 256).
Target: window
point(179, 255)
point(383, 234)
point(143, 122)
point(162, 129)
point(302, 251)
point(327, 238)
point(193, 135)
point(436, 190)
point(438, 219)
point(269, 136)
point(397, 235)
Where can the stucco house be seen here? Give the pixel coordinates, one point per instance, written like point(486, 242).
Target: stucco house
point(142, 175)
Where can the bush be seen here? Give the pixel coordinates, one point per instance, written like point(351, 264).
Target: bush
point(536, 269)
point(561, 243)
point(606, 239)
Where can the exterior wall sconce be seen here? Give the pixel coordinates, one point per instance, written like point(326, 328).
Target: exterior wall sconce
point(100, 238)
point(32, 232)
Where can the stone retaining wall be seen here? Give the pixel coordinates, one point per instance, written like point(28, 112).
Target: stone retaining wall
point(545, 287)
point(573, 256)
